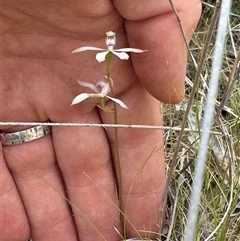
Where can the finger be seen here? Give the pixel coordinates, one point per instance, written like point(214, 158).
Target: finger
point(38, 180)
point(141, 160)
point(13, 219)
point(143, 10)
point(85, 161)
point(157, 29)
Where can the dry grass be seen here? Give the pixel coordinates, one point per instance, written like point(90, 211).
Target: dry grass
point(219, 216)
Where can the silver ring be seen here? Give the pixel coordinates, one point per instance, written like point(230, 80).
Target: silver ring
point(27, 135)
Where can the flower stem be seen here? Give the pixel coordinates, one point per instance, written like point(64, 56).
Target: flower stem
point(116, 147)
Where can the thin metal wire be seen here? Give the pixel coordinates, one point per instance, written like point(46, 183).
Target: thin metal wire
point(165, 128)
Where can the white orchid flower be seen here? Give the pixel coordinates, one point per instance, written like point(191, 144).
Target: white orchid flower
point(110, 42)
point(104, 88)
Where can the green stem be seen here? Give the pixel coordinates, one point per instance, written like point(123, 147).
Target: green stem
point(102, 102)
point(116, 147)
point(117, 165)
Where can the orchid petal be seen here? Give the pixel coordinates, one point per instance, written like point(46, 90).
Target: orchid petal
point(117, 101)
point(100, 57)
point(80, 98)
point(85, 48)
point(88, 85)
point(122, 55)
point(130, 50)
point(106, 89)
point(96, 95)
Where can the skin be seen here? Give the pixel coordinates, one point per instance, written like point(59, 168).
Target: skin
point(39, 82)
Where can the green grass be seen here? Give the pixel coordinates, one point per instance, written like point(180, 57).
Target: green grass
point(219, 216)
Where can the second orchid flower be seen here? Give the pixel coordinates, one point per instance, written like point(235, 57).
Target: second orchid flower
point(102, 89)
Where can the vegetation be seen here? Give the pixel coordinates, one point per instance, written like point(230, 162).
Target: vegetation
point(219, 214)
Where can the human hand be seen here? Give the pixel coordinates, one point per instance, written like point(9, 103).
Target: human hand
point(39, 82)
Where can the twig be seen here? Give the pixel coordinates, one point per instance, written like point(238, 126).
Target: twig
point(234, 77)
